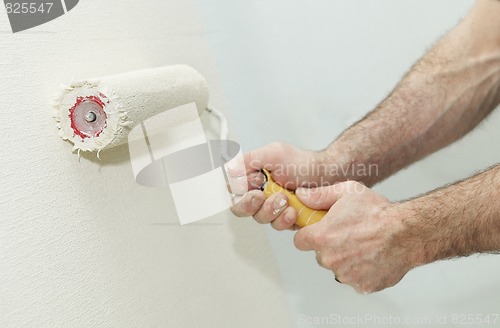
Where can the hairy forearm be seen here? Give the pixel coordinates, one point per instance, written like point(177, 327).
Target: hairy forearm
point(457, 220)
point(445, 95)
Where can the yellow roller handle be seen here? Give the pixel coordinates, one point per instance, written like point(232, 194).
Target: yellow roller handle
point(305, 215)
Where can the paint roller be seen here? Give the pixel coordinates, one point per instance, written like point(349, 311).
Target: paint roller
point(98, 114)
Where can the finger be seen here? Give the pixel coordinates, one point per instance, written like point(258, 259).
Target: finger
point(263, 158)
point(249, 204)
point(254, 161)
point(237, 198)
point(286, 219)
point(304, 239)
point(256, 180)
point(323, 198)
point(241, 184)
point(236, 166)
point(238, 185)
point(272, 208)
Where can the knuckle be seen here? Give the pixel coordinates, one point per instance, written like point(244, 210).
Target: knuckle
point(298, 239)
point(280, 149)
point(357, 187)
point(329, 262)
point(264, 214)
point(320, 261)
point(350, 280)
point(365, 288)
point(235, 211)
point(350, 185)
point(277, 145)
point(238, 210)
point(367, 291)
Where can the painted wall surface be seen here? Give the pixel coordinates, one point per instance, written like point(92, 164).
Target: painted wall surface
point(83, 245)
point(303, 71)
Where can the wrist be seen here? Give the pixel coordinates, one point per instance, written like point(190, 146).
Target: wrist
point(333, 165)
point(408, 234)
point(341, 164)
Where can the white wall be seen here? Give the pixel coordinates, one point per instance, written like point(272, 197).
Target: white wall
point(302, 71)
point(81, 244)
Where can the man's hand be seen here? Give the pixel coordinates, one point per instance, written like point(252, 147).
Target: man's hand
point(356, 239)
point(290, 167)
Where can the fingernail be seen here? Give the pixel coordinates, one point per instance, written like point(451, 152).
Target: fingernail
point(279, 204)
point(290, 217)
point(304, 192)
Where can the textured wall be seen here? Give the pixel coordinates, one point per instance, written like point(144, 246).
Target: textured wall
point(81, 244)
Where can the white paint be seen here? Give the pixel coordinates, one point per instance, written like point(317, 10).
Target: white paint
point(302, 71)
point(81, 243)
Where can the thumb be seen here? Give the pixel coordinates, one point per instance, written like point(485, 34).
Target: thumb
point(321, 198)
